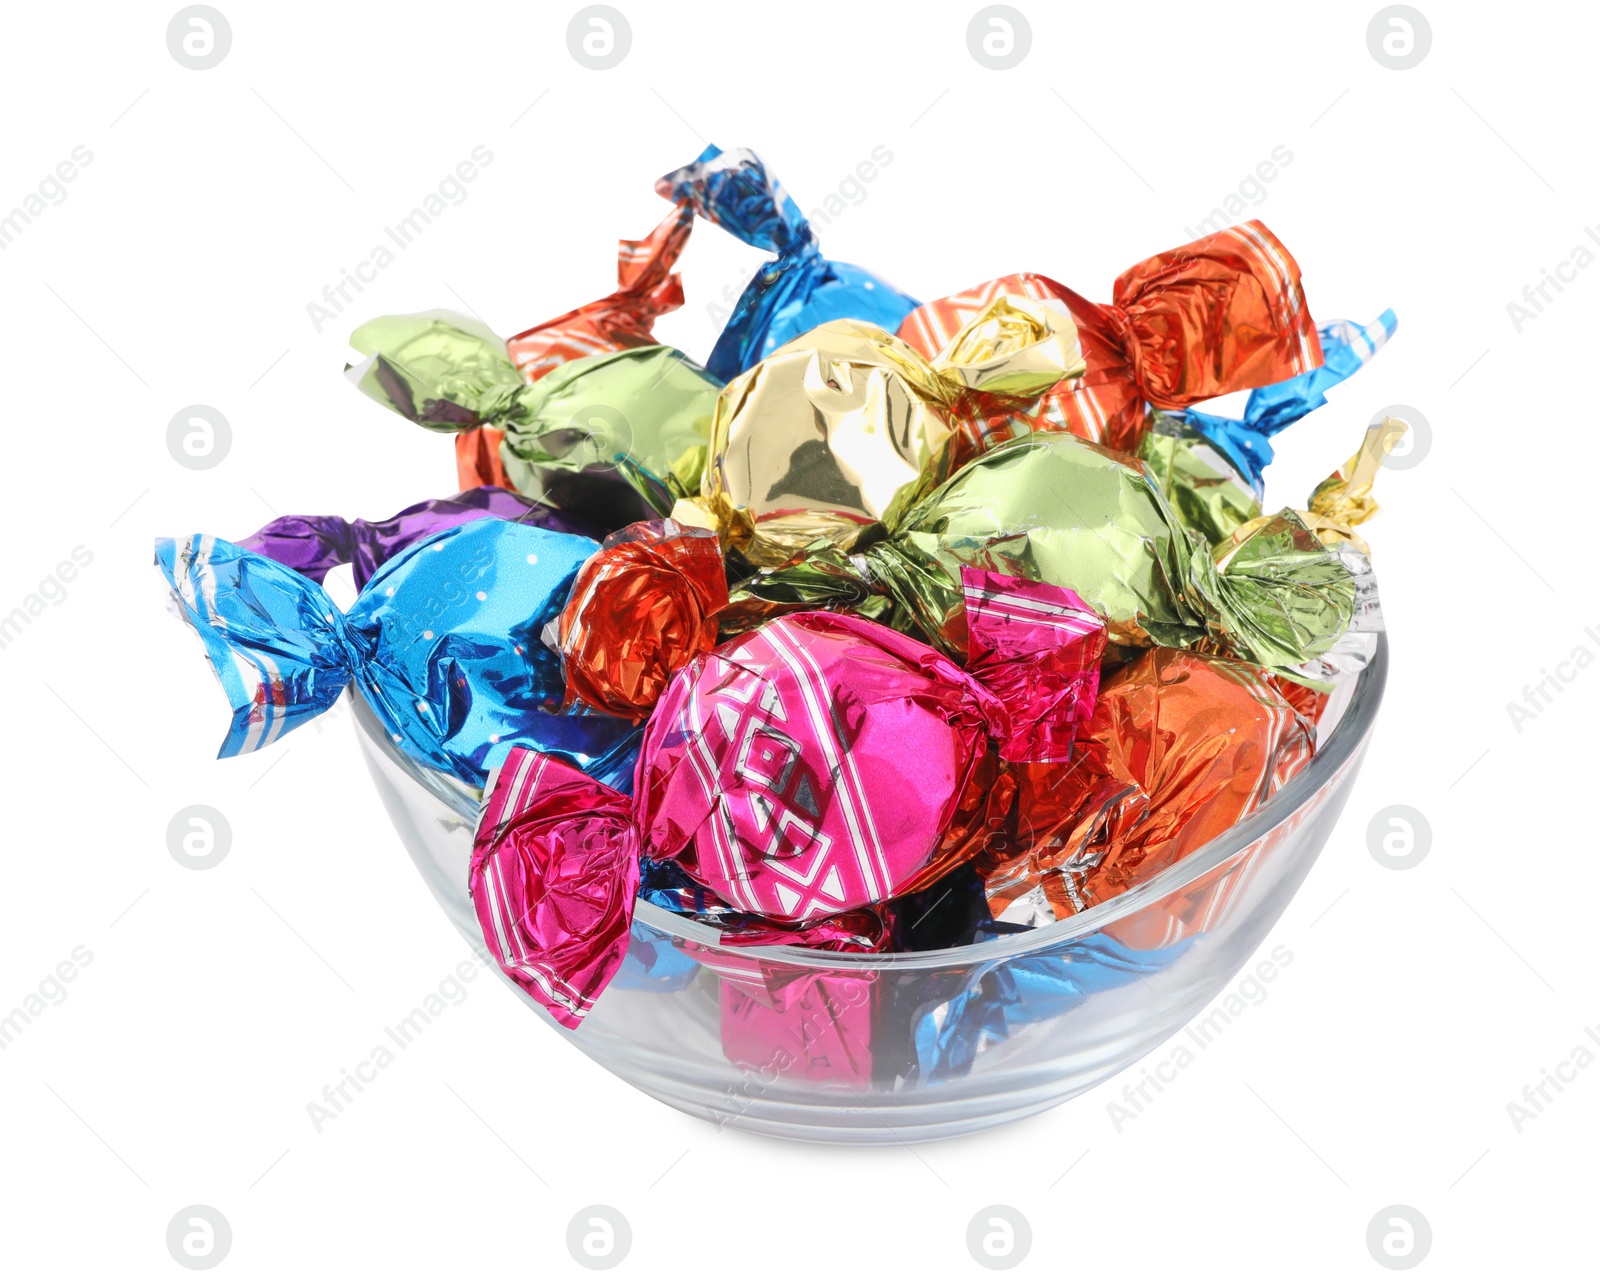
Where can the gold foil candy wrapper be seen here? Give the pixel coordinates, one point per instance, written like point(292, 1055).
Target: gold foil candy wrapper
point(816, 440)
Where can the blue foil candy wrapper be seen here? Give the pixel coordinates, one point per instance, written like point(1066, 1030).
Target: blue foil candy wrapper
point(443, 644)
point(948, 1038)
point(792, 295)
point(1346, 348)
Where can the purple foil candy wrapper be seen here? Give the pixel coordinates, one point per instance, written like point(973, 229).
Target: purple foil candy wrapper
point(314, 544)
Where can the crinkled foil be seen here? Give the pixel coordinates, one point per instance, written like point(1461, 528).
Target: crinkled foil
point(1180, 748)
point(817, 440)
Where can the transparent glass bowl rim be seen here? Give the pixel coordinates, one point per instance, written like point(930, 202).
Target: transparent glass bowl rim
point(1347, 736)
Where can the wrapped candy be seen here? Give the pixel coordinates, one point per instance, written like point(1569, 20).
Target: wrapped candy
point(1055, 508)
point(646, 289)
point(1210, 467)
point(948, 1038)
point(642, 607)
point(818, 765)
point(790, 296)
point(818, 438)
point(443, 644)
point(1224, 313)
point(614, 437)
point(1244, 444)
point(315, 544)
point(1206, 493)
point(1180, 748)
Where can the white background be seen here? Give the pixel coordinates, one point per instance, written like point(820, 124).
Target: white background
point(217, 1004)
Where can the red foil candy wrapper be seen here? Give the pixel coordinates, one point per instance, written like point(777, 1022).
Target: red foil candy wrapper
point(1180, 748)
point(1224, 313)
point(817, 766)
point(642, 607)
point(647, 288)
point(555, 868)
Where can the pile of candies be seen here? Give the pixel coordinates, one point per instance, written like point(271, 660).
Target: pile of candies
point(897, 625)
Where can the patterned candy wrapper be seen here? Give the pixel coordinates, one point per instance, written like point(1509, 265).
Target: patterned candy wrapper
point(1224, 313)
point(614, 438)
point(821, 437)
point(642, 607)
point(1179, 749)
point(814, 767)
point(315, 544)
point(798, 291)
point(443, 644)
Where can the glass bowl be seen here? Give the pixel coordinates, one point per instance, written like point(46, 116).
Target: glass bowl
point(846, 1048)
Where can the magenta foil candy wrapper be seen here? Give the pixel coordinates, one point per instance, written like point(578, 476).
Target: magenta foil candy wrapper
point(820, 764)
point(555, 867)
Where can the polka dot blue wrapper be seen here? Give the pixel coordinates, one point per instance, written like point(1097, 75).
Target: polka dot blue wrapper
point(443, 644)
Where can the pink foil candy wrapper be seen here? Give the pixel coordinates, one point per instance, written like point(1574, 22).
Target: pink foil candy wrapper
point(817, 765)
point(555, 868)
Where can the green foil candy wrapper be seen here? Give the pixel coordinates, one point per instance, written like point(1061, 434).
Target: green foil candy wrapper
point(617, 437)
point(1056, 508)
point(1206, 494)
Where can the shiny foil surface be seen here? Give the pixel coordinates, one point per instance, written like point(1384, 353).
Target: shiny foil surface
point(1206, 493)
point(799, 290)
point(640, 609)
point(1224, 313)
point(1245, 443)
point(614, 437)
point(443, 644)
point(1056, 508)
point(813, 766)
point(1180, 748)
point(647, 288)
point(824, 763)
point(817, 439)
point(315, 544)
point(554, 872)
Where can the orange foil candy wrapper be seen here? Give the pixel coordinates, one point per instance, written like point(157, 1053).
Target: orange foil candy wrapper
point(640, 609)
point(1180, 748)
point(647, 288)
point(1224, 313)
